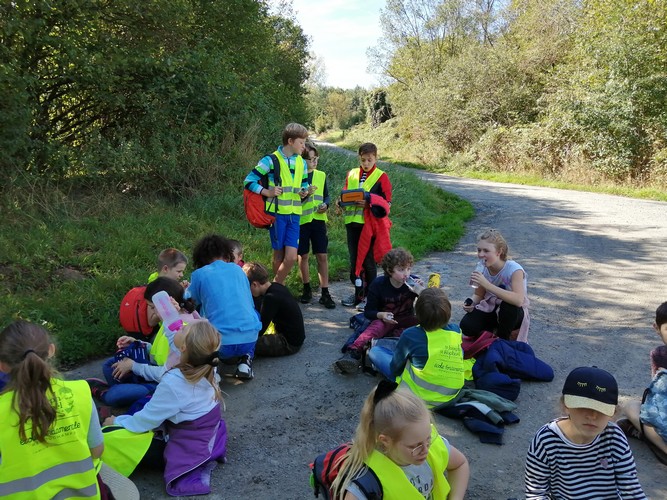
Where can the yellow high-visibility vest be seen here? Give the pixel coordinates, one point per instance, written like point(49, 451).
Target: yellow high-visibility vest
point(62, 467)
point(289, 201)
point(354, 213)
point(310, 204)
point(395, 484)
point(442, 377)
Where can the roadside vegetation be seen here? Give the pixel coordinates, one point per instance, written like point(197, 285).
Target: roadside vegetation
point(67, 259)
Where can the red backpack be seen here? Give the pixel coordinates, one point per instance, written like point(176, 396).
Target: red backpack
point(324, 470)
point(133, 312)
point(254, 204)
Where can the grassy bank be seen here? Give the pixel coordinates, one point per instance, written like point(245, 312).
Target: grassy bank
point(414, 154)
point(66, 260)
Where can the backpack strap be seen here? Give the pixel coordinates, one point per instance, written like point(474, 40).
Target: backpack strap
point(276, 170)
point(369, 484)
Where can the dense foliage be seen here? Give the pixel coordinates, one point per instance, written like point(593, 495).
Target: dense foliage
point(544, 85)
point(152, 95)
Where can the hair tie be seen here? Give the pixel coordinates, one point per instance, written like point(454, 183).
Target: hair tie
point(26, 353)
point(212, 359)
point(384, 389)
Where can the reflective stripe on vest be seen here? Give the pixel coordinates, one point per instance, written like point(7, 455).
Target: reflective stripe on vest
point(62, 468)
point(442, 377)
point(395, 484)
point(160, 347)
point(310, 204)
point(289, 201)
point(354, 213)
point(123, 449)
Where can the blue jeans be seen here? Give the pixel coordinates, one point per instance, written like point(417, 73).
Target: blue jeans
point(381, 354)
point(124, 393)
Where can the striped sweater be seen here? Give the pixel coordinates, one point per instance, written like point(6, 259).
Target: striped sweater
point(556, 468)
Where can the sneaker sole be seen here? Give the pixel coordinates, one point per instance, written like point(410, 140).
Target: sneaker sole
point(347, 365)
point(244, 376)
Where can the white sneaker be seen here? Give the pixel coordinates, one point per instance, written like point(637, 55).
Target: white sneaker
point(361, 305)
point(244, 369)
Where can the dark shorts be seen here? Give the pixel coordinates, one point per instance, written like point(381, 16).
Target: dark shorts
point(285, 232)
point(316, 232)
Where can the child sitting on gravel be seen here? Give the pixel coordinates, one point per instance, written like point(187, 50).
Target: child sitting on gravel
point(390, 306)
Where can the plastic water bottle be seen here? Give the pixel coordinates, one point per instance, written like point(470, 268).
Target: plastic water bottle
point(357, 282)
point(479, 268)
point(167, 311)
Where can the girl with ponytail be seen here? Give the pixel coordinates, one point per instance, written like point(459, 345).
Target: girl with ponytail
point(188, 402)
point(397, 442)
point(50, 437)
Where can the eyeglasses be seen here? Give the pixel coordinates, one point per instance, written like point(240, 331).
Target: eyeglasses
point(419, 449)
point(313, 159)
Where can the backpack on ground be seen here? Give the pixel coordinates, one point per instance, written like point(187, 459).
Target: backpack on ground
point(324, 470)
point(134, 314)
point(254, 204)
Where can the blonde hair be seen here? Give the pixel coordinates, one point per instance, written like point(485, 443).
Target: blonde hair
point(494, 236)
point(389, 416)
point(200, 357)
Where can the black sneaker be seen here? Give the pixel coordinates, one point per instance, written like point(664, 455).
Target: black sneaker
point(244, 369)
point(98, 387)
point(306, 296)
point(327, 301)
point(348, 363)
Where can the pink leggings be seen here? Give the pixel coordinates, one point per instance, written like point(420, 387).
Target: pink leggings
point(378, 329)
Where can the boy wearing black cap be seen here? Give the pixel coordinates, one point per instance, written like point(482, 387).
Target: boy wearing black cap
point(583, 455)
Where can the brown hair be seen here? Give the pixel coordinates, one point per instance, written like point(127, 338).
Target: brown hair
point(200, 357)
point(256, 272)
point(170, 257)
point(310, 147)
point(433, 309)
point(294, 131)
point(389, 416)
point(396, 257)
point(25, 347)
point(368, 148)
point(494, 236)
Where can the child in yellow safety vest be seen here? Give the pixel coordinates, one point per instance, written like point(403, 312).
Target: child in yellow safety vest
point(427, 359)
point(50, 440)
point(398, 442)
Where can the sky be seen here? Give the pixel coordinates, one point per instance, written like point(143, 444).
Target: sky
point(340, 32)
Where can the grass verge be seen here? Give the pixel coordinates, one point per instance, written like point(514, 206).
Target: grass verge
point(66, 260)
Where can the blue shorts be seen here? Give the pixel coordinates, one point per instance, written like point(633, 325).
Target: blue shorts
point(315, 231)
point(285, 231)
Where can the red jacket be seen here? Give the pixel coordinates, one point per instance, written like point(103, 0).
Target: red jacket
point(376, 225)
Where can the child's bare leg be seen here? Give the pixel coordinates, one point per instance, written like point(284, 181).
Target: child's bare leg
point(631, 410)
point(284, 268)
point(654, 437)
point(278, 257)
point(304, 271)
point(322, 269)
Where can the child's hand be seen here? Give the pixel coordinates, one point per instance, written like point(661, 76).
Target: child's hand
point(274, 191)
point(416, 285)
point(387, 317)
point(109, 421)
point(122, 368)
point(311, 189)
point(124, 341)
point(468, 305)
point(322, 208)
point(478, 278)
point(185, 284)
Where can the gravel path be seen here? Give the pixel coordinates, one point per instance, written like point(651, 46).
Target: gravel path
point(594, 265)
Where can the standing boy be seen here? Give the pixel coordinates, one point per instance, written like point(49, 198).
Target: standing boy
point(314, 229)
point(279, 307)
point(373, 180)
point(283, 198)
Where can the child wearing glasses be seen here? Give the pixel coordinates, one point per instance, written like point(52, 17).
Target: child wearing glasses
point(313, 229)
point(398, 443)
